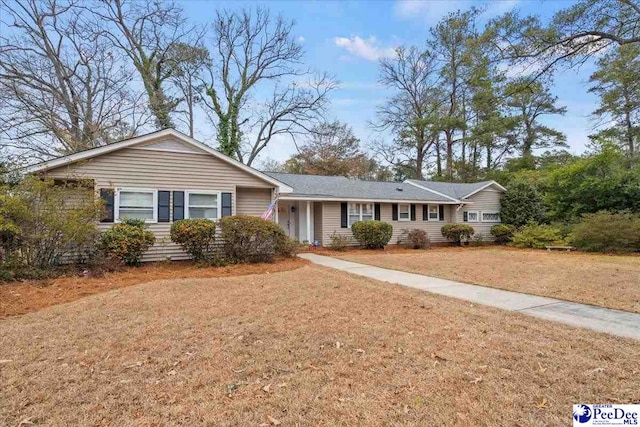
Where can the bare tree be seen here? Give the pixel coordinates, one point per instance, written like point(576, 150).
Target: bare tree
point(61, 88)
point(148, 32)
point(411, 113)
point(250, 51)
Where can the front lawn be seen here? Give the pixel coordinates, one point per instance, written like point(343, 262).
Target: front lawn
point(604, 280)
point(310, 346)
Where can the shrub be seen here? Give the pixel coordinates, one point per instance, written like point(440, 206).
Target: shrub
point(418, 239)
point(42, 222)
point(372, 234)
point(536, 236)
point(503, 233)
point(339, 242)
point(290, 248)
point(196, 236)
point(251, 239)
point(521, 204)
point(607, 232)
point(128, 241)
point(458, 232)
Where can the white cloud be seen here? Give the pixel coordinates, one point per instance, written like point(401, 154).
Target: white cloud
point(433, 10)
point(368, 48)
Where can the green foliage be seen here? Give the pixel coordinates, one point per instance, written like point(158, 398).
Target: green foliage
point(249, 239)
point(607, 232)
point(417, 238)
point(457, 232)
point(128, 241)
point(372, 234)
point(339, 242)
point(604, 181)
point(41, 222)
point(196, 236)
point(503, 233)
point(521, 204)
point(537, 236)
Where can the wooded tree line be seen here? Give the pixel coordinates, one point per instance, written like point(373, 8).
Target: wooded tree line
point(466, 104)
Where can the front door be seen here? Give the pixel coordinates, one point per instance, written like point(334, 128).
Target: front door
point(287, 212)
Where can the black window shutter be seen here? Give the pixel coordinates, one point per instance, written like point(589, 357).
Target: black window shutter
point(227, 206)
point(343, 215)
point(394, 212)
point(441, 212)
point(376, 211)
point(413, 212)
point(425, 212)
point(106, 194)
point(163, 205)
point(465, 216)
point(178, 205)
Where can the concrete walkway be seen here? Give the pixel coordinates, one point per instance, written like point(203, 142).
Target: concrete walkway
point(614, 322)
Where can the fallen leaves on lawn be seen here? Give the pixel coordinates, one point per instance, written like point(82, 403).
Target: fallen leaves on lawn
point(542, 404)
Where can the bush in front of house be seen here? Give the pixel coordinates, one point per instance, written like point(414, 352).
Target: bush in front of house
point(521, 204)
point(537, 236)
point(249, 239)
point(43, 224)
point(607, 232)
point(457, 233)
point(372, 234)
point(196, 237)
point(339, 242)
point(417, 238)
point(503, 233)
point(128, 241)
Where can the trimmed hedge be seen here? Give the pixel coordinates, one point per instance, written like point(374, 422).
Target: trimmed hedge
point(607, 232)
point(249, 239)
point(372, 234)
point(458, 232)
point(536, 236)
point(128, 241)
point(417, 238)
point(196, 236)
point(503, 233)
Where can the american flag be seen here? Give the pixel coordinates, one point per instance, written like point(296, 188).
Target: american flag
point(267, 214)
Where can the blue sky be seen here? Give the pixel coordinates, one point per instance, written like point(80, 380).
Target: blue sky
point(346, 39)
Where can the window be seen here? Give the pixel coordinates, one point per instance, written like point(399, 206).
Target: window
point(434, 212)
point(360, 212)
point(404, 212)
point(136, 203)
point(202, 204)
point(473, 216)
point(490, 216)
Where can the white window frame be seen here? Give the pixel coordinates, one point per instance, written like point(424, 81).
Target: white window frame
point(490, 213)
point(360, 212)
point(116, 203)
point(478, 217)
point(408, 218)
point(187, 205)
point(437, 212)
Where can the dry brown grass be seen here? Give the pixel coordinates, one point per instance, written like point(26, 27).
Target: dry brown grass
point(263, 349)
point(611, 281)
point(28, 296)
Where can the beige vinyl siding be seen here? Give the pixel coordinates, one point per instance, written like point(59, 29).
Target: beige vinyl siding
point(252, 201)
point(331, 217)
point(163, 170)
point(487, 200)
point(317, 222)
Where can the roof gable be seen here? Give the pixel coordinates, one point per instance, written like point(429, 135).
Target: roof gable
point(156, 141)
point(457, 190)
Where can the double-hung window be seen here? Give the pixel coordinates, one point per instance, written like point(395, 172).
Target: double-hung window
point(360, 212)
point(404, 212)
point(490, 216)
point(136, 203)
point(473, 216)
point(434, 212)
point(202, 204)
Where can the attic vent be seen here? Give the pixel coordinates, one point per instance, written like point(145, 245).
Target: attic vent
point(399, 188)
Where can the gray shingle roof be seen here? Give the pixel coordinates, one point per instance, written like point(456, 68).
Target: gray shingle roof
point(451, 189)
point(347, 188)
